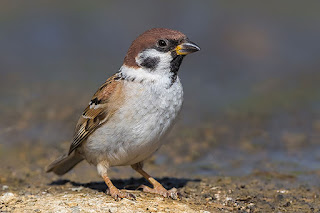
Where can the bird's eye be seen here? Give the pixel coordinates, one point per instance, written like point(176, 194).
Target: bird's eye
point(162, 43)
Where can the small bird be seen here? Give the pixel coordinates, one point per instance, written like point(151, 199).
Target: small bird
point(129, 115)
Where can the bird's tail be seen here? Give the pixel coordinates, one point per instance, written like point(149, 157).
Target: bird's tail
point(64, 163)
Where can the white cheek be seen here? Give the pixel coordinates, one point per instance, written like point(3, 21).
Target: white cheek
point(165, 58)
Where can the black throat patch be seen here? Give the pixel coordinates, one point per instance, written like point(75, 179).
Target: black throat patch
point(150, 63)
point(175, 65)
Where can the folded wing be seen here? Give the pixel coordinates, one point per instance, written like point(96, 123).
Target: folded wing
point(102, 106)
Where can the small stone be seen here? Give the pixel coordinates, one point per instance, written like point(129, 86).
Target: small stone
point(75, 209)
point(228, 198)
point(215, 187)
point(279, 197)
point(283, 191)
point(72, 204)
point(8, 198)
point(77, 189)
point(5, 187)
point(153, 209)
point(217, 196)
point(209, 199)
point(287, 204)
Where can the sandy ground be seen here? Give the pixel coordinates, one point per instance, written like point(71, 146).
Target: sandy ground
point(29, 189)
point(223, 194)
point(199, 162)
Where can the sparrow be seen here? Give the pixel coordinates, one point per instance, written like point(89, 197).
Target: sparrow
point(129, 115)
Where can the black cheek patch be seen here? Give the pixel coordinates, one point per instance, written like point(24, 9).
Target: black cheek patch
point(150, 63)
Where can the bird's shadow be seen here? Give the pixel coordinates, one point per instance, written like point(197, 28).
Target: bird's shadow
point(130, 184)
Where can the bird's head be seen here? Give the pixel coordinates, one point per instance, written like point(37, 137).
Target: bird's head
point(159, 50)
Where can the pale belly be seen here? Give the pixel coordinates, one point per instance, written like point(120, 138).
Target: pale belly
point(135, 131)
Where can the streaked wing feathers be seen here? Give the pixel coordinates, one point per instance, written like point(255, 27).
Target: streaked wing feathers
point(101, 107)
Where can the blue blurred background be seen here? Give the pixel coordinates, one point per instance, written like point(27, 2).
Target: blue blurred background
point(251, 94)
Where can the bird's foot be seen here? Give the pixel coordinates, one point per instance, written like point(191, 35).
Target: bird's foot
point(118, 194)
point(172, 193)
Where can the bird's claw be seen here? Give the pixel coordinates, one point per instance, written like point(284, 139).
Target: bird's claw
point(172, 193)
point(118, 194)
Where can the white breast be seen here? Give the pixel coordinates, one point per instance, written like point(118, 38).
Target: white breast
point(134, 132)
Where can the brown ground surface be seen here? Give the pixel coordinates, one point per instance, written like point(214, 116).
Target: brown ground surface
point(24, 187)
point(230, 165)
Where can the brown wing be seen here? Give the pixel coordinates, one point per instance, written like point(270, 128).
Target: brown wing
point(102, 106)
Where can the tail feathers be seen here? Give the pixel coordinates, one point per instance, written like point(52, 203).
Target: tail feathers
point(64, 163)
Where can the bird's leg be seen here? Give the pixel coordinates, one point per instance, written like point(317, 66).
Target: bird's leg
point(157, 187)
point(114, 191)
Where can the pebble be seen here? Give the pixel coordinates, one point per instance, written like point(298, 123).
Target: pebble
point(228, 198)
point(209, 198)
point(287, 204)
point(77, 189)
point(76, 209)
point(217, 196)
point(127, 201)
point(8, 197)
point(72, 204)
point(283, 191)
point(110, 209)
point(152, 209)
point(5, 187)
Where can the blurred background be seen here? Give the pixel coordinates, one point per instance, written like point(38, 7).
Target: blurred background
point(251, 94)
